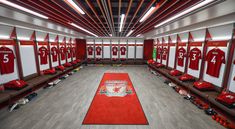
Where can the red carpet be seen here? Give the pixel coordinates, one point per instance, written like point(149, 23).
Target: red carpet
point(115, 102)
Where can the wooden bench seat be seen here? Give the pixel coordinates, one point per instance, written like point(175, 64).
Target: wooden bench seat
point(9, 96)
point(206, 95)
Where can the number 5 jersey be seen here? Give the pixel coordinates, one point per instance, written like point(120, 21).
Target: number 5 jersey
point(6, 60)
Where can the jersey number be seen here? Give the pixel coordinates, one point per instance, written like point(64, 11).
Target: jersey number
point(43, 53)
point(5, 58)
point(213, 60)
point(181, 55)
point(194, 56)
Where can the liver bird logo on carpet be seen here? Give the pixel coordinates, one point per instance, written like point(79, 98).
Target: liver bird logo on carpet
point(115, 88)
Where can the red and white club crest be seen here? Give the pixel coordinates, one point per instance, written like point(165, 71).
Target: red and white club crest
point(116, 88)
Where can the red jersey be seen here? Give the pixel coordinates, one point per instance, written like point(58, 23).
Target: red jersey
point(98, 50)
point(164, 53)
point(69, 52)
point(123, 50)
point(6, 60)
point(115, 50)
point(214, 58)
point(63, 53)
point(194, 56)
point(159, 51)
point(43, 53)
point(90, 50)
point(180, 56)
point(54, 53)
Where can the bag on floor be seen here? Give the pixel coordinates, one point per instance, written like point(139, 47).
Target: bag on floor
point(61, 68)
point(150, 61)
point(175, 72)
point(74, 62)
point(67, 64)
point(203, 86)
point(49, 71)
point(186, 77)
point(15, 84)
point(227, 99)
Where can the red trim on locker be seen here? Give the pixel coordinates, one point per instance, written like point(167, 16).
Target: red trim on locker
point(207, 39)
point(49, 50)
point(182, 44)
point(26, 42)
point(168, 52)
point(42, 43)
point(230, 60)
point(54, 43)
point(65, 46)
point(171, 44)
point(217, 43)
point(7, 42)
point(190, 39)
point(195, 44)
point(17, 52)
point(58, 47)
point(176, 49)
point(35, 47)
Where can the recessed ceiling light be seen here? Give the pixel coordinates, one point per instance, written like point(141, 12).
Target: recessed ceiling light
point(130, 32)
point(147, 14)
point(22, 8)
point(121, 24)
point(79, 27)
point(74, 6)
point(185, 12)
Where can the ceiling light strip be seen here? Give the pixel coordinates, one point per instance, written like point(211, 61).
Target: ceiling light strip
point(83, 29)
point(121, 24)
point(130, 32)
point(74, 6)
point(185, 12)
point(147, 14)
point(22, 8)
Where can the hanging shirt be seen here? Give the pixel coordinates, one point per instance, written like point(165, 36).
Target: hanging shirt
point(180, 56)
point(164, 53)
point(194, 57)
point(6, 60)
point(98, 50)
point(159, 51)
point(90, 50)
point(54, 52)
point(123, 50)
point(114, 50)
point(43, 53)
point(69, 52)
point(214, 58)
point(63, 53)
